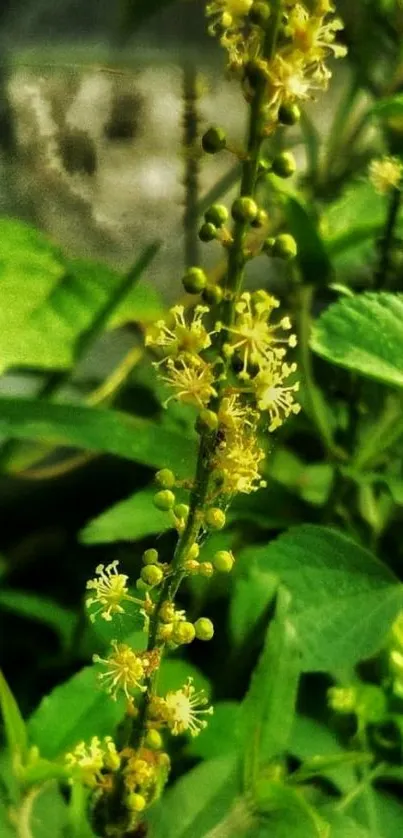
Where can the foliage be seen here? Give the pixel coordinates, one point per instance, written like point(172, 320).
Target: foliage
point(305, 668)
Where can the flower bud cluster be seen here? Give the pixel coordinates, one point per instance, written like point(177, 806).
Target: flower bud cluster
point(297, 69)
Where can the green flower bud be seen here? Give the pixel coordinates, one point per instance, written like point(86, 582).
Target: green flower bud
point(165, 478)
point(207, 232)
point(191, 566)
point(209, 419)
point(261, 219)
point(150, 556)
point(206, 569)
point(164, 500)
point(224, 561)
point(181, 510)
point(214, 140)
point(215, 518)
point(264, 166)
point(204, 629)
point(284, 164)
point(289, 114)
point(244, 209)
point(268, 245)
point(151, 574)
point(136, 802)
point(217, 214)
point(194, 280)
point(285, 247)
point(212, 295)
point(153, 740)
point(259, 13)
point(184, 633)
point(193, 551)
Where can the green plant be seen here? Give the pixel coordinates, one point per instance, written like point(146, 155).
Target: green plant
point(322, 600)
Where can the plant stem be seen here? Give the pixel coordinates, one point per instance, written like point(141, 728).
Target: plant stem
point(233, 284)
point(192, 158)
point(386, 242)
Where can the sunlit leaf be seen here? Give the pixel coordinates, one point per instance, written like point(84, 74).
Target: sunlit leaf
point(14, 724)
point(364, 334)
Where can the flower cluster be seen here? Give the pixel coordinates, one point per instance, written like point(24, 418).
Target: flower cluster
point(89, 763)
point(298, 68)
point(182, 711)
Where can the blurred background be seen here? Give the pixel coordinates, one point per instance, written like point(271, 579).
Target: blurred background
point(100, 103)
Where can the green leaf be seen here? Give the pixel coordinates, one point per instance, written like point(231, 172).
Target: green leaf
point(129, 520)
point(364, 334)
point(268, 709)
point(253, 593)
point(311, 482)
point(389, 108)
point(343, 599)
point(350, 225)
point(287, 812)
point(219, 738)
point(14, 724)
point(72, 712)
point(43, 610)
point(175, 672)
point(49, 303)
point(198, 801)
point(312, 257)
point(387, 813)
point(310, 739)
point(342, 826)
point(45, 812)
point(106, 431)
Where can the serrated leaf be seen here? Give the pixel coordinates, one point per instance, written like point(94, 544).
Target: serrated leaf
point(268, 710)
point(16, 733)
point(344, 599)
point(198, 801)
point(128, 520)
point(364, 334)
point(72, 712)
point(106, 431)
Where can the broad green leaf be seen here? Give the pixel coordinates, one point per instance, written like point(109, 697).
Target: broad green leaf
point(350, 225)
point(47, 815)
point(268, 710)
point(342, 826)
point(106, 431)
point(44, 610)
point(53, 308)
point(312, 257)
point(387, 813)
point(254, 590)
point(310, 739)
point(344, 599)
point(14, 724)
point(364, 334)
point(287, 812)
point(220, 736)
point(272, 508)
point(128, 520)
point(199, 801)
point(72, 712)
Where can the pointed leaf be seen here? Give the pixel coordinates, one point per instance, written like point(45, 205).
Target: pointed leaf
point(105, 431)
point(128, 520)
point(14, 724)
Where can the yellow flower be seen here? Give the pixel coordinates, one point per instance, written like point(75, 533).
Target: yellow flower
point(291, 81)
point(273, 396)
point(234, 416)
point(385, 174)
point(125, 670)
point(311, 36)
point(181, 711)
point(192, 378)
point(87, 761)
point(252, 337)
point(186, 337)
point(237, 460)
point(110, 590)
point(227, 14)
point(139, 773)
